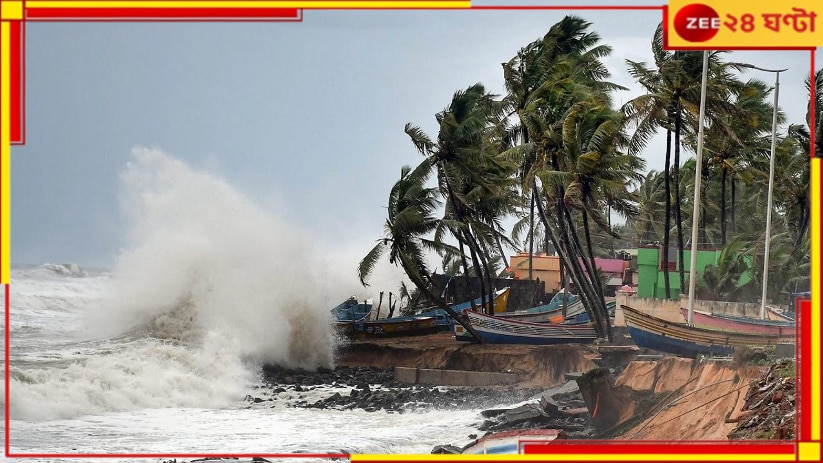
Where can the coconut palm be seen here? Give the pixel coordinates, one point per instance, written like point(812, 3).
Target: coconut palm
point(672, 102)
point(563, 70)
point(733, 145)
point(410, 220)
point(474, 181)
point(818, 105)
point(648, 225)
point(598, 173)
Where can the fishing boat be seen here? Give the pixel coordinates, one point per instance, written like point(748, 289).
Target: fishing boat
point(444, 320)
point(351, 310)
point(689, 341)
point(740, 324)
point(547, 313)
point(512, 442)
point(347, 314)
point(554, 315)
point(387, 328)
point(498, 330)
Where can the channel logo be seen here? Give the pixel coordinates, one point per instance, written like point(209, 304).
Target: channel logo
point(697, 22)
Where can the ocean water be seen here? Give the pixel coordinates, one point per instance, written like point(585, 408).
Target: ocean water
point(157, 354)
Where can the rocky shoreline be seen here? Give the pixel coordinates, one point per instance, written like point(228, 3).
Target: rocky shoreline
point(375, 389)
point(651, 398)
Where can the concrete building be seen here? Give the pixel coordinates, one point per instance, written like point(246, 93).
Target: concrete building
point(651, 280)
point(547, 269)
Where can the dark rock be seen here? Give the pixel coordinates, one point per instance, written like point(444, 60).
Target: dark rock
point(446, 449)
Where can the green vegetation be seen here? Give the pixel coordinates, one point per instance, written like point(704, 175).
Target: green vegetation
point(557, 155)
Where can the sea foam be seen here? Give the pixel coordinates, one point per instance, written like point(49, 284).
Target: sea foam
point(202, 257)
point(208, 287)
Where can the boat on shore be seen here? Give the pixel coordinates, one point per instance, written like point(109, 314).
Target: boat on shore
point(689, 341)
point(351, 310)
point(444, 320)
point(389, 328)
point(740, 324)
point(499, 330)
point(348, 313)
point(512, 442)
point(547, 313)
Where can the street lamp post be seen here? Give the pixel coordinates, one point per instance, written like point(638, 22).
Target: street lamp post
point(698, 176)
point(771, 184)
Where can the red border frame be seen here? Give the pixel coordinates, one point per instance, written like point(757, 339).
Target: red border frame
point(164, 14)
point(274, 15)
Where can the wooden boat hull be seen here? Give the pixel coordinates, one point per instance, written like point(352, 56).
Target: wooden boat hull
point(512, 442)
point(550, 316)
point(418, 326)
point(548, 313)
point(498, 330)
point(345, 329)
point(688, 341)
point(740, 324)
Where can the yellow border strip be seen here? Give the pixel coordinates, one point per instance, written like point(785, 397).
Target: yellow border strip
point(5, 151)
point(814, 381)
point(320, 4)
point(579, 457)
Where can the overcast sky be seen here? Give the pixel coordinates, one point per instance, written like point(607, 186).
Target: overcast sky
point(302, 118)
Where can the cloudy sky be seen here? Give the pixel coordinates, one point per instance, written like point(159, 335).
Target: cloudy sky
point(302, 119)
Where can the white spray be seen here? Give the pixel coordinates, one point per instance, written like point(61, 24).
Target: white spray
point(217, 284)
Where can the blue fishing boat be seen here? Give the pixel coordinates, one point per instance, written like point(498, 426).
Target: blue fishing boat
point(689, 341)
point(348, 313)
point(351, 310)
point(583, 317)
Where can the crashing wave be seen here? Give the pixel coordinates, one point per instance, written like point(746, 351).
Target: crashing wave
point(68, 270)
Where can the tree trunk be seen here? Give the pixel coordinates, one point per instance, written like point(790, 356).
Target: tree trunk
point(668, 220)
point(734, 188)
point(565, 288)
point(573, 270)
point(501, 250)
point(575, 255)
point(487, 274)
point(723, 177)
point(531, 234)
point(477, 269)
point(379, 304)
point(678, 212)
point(460, 241)
point(703, 219)
point(595, 278)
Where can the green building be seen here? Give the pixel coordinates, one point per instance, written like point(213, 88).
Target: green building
point(651, 280)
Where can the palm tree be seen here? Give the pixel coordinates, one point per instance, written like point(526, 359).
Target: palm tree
point(564, 69)
point(733, 143)
point(648, 225)
point(792, 196)
point(410, 219)
point(818, 105)
point(473, 180)
point(671, 102)
point(599, 173)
